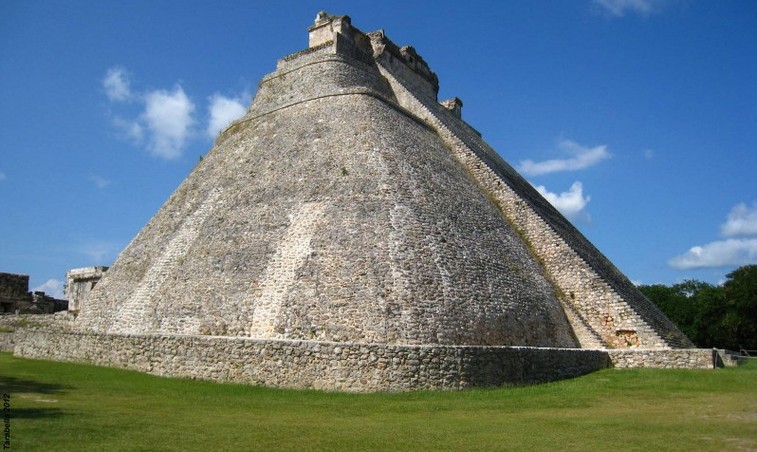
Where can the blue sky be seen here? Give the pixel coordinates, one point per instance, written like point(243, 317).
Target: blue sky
point(637, 118)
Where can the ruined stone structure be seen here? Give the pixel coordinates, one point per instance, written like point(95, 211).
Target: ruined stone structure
point(14, 290)
point(351, 232)
point(16, 298)
point(79, 283)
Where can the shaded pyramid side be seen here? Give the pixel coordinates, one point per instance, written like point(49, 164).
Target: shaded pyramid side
point(329, 213)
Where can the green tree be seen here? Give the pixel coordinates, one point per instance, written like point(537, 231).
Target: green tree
point(675, 304)
point(692, 306)
point(741, 299)
point(712, 316)
point(709, 310)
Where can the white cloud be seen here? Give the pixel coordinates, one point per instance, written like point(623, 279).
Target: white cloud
point(132, 130)
point(742, 221)
point(99, 181)
point(223, 111)
point(2, 175)
point(571, 203)
point(166, 123)
point(619, 8)
point(168, 116)
point(582, 157)
point(52, 287)
point(723, 253)
point(117, 85)
point(648, 154)
point(734, 251)
point(98, 252)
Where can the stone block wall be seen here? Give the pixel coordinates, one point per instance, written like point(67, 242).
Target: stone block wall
point(315, 365)
point(691, 358)
point(338, 366)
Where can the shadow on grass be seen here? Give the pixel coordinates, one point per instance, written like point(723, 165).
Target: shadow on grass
point(16, 385)
point(19, 388)
point(36, 413)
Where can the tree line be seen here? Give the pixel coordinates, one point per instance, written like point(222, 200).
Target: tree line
point(722, 316)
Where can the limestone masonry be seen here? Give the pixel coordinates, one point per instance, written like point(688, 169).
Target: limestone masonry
point(79, 283)
point(351, 232)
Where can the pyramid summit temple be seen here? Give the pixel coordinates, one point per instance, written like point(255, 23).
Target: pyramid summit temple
point(352, 232)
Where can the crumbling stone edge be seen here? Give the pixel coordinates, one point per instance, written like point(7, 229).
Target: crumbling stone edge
point(338, 366)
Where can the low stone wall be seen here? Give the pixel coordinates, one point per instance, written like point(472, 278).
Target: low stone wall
point(311, 364)
point(7, 341)
point(60, 321)
point(689, 358)
point(11, 324)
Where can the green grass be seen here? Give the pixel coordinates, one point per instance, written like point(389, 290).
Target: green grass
point(60, 406)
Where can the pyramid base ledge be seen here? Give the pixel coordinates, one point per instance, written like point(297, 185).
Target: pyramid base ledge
point(661, 358)
point(334, 366)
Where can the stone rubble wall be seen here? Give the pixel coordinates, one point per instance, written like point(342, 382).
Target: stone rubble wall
point(315, 365)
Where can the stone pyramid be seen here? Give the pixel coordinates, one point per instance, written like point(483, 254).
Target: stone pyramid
point(350, 206)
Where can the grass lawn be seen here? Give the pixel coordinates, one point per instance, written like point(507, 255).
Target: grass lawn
point(59, 406)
